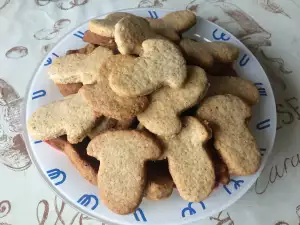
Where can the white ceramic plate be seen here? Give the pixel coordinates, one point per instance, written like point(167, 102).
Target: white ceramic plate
point(66, 181)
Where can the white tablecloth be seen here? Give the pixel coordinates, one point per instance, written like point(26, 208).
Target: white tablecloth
point(29, 28)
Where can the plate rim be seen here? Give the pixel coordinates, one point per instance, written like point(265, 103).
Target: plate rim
point(25, 133)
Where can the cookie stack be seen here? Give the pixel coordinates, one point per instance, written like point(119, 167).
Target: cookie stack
point(157, 110)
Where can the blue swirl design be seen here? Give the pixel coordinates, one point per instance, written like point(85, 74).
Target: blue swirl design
point(190, 209)
point(85, 200)
point(263, 124)
point(236, 185)
point(153, 14)
point(222, 36)
point(37, 142)
point(56, 174)
point(49, 59)
point(136, 216)
point(79, 34)
point(38, 94)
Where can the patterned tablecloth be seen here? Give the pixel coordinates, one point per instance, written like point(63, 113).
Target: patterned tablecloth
point(270, 28)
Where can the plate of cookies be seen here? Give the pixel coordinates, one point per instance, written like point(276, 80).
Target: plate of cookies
point(150, 116)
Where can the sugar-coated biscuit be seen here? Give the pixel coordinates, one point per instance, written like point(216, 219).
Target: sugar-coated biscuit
point(162, 115)
point(161, 64)
point(79, 68)
point(228, 116)
point(86, 165)
point(237, 86)
point(71, 116)
point(189, 163)
point(105, 101)
point(206, 54)
point(121, 176)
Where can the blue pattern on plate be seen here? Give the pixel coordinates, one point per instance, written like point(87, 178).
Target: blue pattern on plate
point(153, 14)
point(262, 90)
point(38, 94)
point(56, 174)
point(85, 200)
point(79, 34)
point(222, 36)
point(263, 124)
point(136, 216)
point(49, 59)
point(190, 209)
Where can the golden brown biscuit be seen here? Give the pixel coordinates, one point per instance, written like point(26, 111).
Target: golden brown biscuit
point(71, 116)
point(189, 163)
point(79, 68)
point(86, 165)
point(106, 27)
point(206, 54)
point(103, 41)
point(105, 101)
point(161, 64)
point(160, 183)
point(130, 32)
point(102, 124)
point(172, 24)
point(162, 115)
point(68, 89)
point(121, 177)
point(85, 50)
point(237, 86)
point(228, 115)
